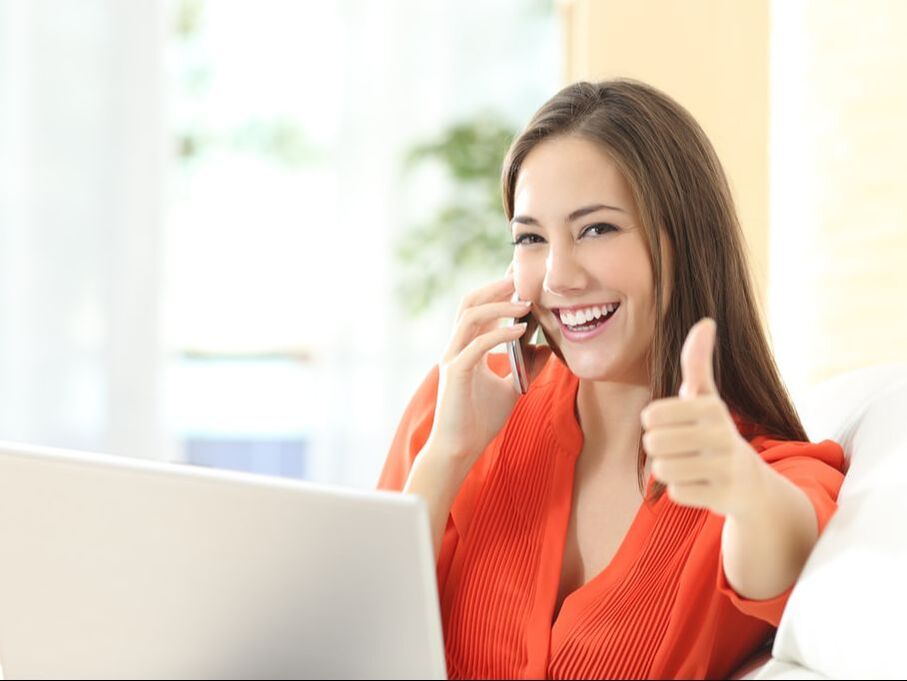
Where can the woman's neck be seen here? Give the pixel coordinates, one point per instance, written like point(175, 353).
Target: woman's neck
point(609, 416)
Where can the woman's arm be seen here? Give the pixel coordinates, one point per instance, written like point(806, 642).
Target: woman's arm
point(696, 450)
point(473, 401)
point(765, 547)
point(437, 477)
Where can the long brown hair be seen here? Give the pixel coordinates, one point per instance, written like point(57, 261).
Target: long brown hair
point(680, 189)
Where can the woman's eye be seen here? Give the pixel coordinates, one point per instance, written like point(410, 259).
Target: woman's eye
point(600, 228)
point(526, 239)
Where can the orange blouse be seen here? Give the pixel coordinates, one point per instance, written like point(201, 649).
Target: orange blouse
point(662, 607)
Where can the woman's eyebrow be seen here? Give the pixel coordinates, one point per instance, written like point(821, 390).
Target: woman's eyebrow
point(575, 215)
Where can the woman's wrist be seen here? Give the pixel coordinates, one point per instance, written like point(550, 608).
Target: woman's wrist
point(764, 552)
point(438, 472)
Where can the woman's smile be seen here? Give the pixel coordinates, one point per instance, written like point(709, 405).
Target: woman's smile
point(587, 322)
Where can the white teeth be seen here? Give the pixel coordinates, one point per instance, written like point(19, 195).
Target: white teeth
point(580, 317)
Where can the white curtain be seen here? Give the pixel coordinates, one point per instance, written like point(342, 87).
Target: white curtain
point(81, 149)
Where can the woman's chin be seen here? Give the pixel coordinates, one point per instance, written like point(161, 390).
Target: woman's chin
point(590, 369)
point(581, 364)
point(601, 366)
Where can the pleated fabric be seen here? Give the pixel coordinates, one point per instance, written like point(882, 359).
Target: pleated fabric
point(661, 609)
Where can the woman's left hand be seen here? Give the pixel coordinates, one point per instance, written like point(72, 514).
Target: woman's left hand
point(692, 441)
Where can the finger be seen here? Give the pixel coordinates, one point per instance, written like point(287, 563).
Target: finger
point(695, 494)
point(696, 360)
point(679, 410)
point(686, 469)
point(478, 347)
point(678, 440)
point(500, 289)
point(478, 320)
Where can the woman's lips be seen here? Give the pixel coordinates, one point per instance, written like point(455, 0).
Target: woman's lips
point(580, 336)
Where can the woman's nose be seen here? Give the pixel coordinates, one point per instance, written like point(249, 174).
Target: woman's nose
point(564, 274)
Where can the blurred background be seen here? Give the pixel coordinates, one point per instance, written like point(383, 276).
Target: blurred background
point(235, 233)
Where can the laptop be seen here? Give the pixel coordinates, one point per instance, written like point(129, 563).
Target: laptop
point(116, 567)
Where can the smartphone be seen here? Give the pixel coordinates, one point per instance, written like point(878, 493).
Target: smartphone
point(515, 352)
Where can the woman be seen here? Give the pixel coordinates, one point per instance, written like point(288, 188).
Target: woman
point(645, 509)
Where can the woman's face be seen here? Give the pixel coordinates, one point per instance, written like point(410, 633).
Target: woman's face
point(580, 246)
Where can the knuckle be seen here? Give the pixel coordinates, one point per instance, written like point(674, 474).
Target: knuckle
point(660, 468)
point(648, 415)
point(649, 441)
point(469, 320)
point(450, 367)
point(717, 405)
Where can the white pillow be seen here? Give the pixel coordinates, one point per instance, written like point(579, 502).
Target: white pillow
point(845, 616)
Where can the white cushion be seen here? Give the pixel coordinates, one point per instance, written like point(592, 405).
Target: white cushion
point(775, 670)
point(845, 616)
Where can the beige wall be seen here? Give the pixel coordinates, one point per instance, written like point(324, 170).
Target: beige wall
point(838, 274)
point(806, 105)
point(712, 57)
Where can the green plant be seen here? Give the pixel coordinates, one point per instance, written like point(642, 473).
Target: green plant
point(468, 233)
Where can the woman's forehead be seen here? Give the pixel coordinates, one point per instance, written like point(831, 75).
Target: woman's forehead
point(562, 174)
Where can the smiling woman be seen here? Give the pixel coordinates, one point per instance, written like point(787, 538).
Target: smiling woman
point(651, 161)
point(645, 508)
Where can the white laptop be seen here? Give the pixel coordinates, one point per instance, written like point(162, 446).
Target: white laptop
point(114, 567)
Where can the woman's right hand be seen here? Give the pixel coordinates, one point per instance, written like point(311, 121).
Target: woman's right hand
point(473, 401)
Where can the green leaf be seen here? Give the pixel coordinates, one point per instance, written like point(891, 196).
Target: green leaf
point(470, 235)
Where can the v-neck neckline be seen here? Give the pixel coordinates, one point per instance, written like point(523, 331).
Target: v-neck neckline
point(570, 438)
point(628, 551)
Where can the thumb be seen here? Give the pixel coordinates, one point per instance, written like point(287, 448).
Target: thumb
point(696, 360)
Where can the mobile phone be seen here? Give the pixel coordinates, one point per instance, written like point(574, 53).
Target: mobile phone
point(515, 351)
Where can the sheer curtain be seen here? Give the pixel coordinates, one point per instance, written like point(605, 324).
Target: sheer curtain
point(93, 296)
point(80, 181)
point(303, 257)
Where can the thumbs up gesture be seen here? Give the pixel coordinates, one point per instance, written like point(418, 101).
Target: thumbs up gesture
point(693, 443)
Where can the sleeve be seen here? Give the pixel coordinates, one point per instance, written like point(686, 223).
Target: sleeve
point(817, 469)
point(412, 433)
point(415, 426)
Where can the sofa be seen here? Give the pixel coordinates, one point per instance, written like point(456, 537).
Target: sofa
point(847, 613)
